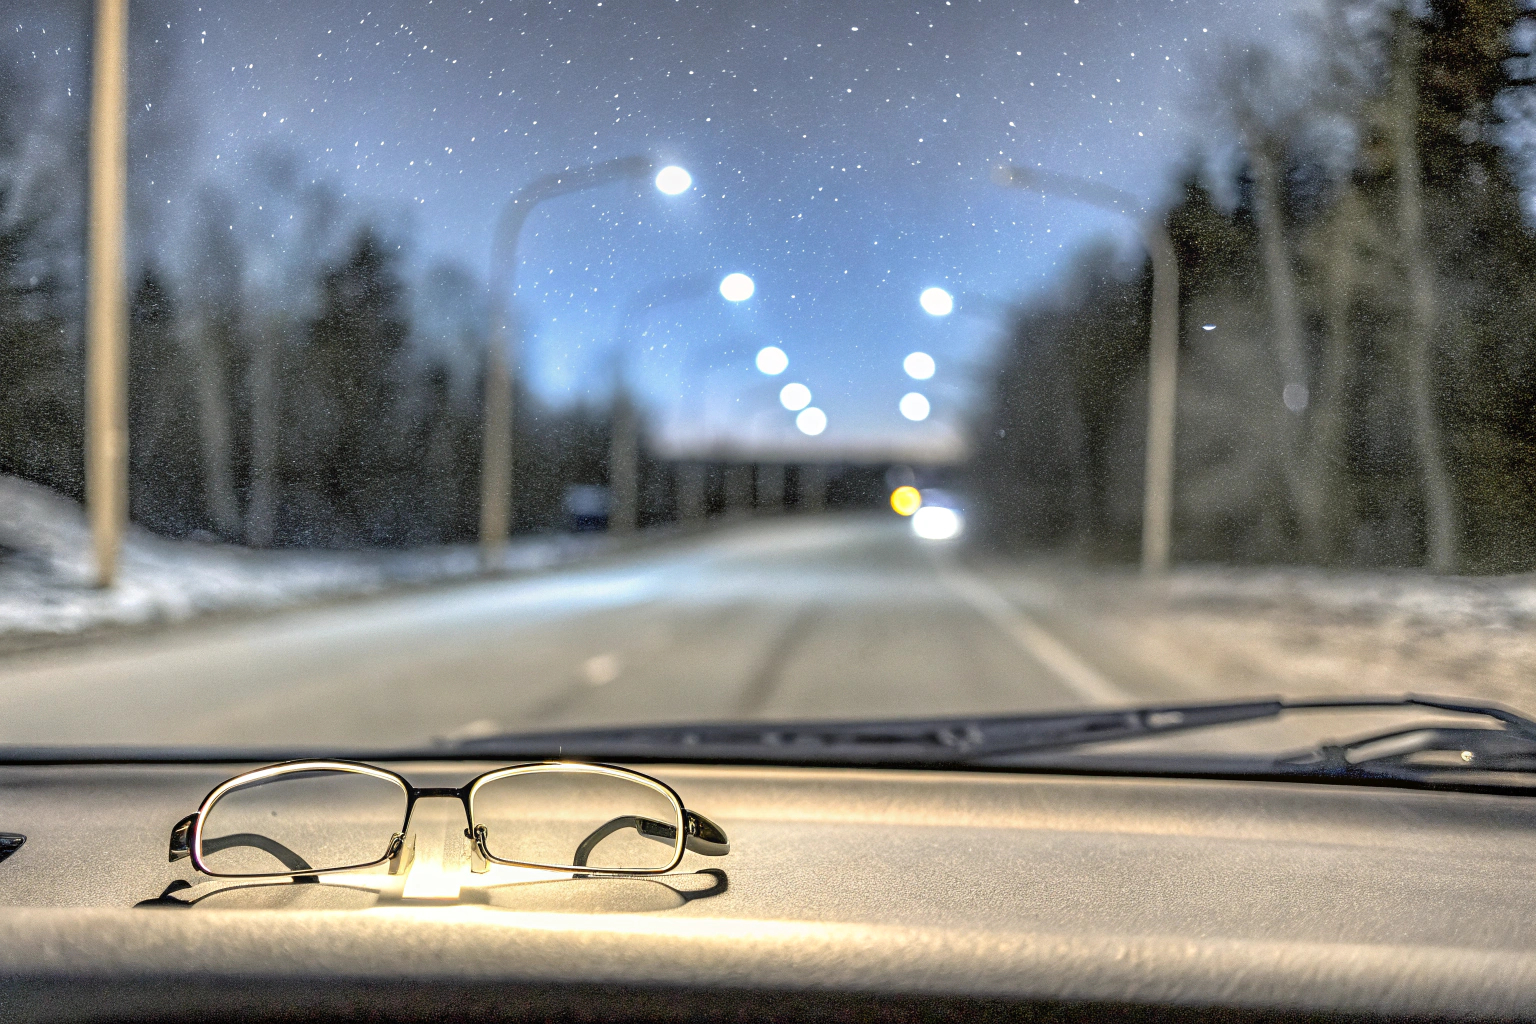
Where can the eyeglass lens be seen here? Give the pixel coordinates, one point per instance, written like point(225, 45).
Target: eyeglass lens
point(577, 819)
point(316, 820)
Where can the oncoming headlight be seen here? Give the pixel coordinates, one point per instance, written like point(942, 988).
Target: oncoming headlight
point(935, 522)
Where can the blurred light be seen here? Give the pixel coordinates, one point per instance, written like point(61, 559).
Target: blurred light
point(913, 406)
point(812, 421)
point(906, 500)
point(673, 180)
point(1295, 397)
point(1208, 327)
point(772, 360)
point(737, 287)
point(795, 397)
point(934, 522)
point(936, 302)
point(919, 365)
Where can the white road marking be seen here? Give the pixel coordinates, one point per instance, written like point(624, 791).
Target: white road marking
point(1080, 677)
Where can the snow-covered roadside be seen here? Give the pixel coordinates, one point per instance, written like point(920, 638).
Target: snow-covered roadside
point(46, 570)
point(1224, 632)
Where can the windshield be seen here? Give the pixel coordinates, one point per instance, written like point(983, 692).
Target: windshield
point(384, 374)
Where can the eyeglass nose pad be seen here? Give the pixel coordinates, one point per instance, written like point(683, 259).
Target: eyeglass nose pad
point(477, 862)
point(402, 852)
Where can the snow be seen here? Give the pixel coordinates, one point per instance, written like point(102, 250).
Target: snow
point(46, 570)
point(1227, 633)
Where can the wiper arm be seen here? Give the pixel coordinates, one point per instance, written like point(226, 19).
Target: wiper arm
point(1412, 753)
point(937, 741)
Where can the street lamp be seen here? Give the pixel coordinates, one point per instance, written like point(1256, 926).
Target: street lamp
point(624, 444)
point(496, 454)
point(737, 287)
point(919, 366)
point(936, 302)
point(1157, 504)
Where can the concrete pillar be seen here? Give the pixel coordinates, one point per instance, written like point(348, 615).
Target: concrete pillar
point(738, 489)
point(690, 492)
point(813, 488)
point(770, 488)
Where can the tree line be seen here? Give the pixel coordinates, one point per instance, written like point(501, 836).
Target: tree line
point(1358, 320)
point(319, 407)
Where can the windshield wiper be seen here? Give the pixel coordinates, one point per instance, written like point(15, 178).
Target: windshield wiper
point(960, 741)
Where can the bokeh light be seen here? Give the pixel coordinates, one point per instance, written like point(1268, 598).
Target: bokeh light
point(936, 302)
point(772, 360)
point(906, 500)
point(934, 522)
point(811, 421)
point(795, 397)
point(914, 406)
point(919, 365)
point(737, 287)
point(673, 180)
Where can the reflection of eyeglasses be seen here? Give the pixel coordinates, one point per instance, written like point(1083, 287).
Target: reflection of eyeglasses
point(313, 817)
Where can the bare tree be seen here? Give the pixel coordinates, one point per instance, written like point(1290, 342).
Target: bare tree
point(1418, 350)
point(1251, 87)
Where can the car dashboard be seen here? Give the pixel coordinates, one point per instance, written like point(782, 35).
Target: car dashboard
point(848, 893)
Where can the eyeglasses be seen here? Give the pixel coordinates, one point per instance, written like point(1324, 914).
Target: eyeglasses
point(304, 818)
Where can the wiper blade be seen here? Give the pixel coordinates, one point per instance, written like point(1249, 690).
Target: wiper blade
point(935, 741)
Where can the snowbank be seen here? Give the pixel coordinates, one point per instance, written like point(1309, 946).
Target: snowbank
point(1446, 601)
point(46, 570)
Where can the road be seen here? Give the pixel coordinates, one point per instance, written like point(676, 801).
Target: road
point(793, 618)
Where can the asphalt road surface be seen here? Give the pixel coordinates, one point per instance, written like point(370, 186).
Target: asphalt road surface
point(826, 617)
point(799, 618)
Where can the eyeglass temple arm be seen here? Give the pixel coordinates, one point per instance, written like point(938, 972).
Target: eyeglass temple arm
point(702, 835)
point(183, 829)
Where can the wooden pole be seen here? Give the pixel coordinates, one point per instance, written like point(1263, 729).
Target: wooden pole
point(1162, 401)
point(106, 322)
point(496, 455)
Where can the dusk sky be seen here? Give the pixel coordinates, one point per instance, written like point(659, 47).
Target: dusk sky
point(839, 153)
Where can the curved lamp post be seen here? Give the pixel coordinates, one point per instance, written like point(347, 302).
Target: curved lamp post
point(1157, 504)
point(496, 453)
point(624, 445)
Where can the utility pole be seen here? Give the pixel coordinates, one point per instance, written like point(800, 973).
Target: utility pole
point(106, 317)
point(624, 465)
point(1163, 368)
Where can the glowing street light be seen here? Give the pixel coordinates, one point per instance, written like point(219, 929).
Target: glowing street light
point(673, 180)
point(795, 397)
point(737, 287)
point(936, 302)
point(914, 406)
point(811, 421)
point(771, 360)
point(919, 365)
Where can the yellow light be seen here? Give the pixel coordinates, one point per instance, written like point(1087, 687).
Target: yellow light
point(906, 500)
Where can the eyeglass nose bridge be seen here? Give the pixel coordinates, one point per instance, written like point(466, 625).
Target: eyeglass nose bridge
point(405, 840)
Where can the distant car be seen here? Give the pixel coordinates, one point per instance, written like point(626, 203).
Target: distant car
point(586, 507)
point(941, 517)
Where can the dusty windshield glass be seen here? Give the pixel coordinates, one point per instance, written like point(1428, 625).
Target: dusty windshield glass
point(489, 366)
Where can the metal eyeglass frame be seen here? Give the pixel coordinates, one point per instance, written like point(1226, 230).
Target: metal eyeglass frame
point(698, 833)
